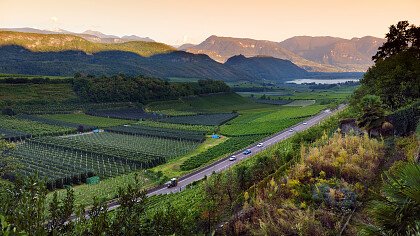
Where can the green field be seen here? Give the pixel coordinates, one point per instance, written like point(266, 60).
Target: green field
point(267, 121)
point(31, 127)
point(30, 92)
point(98, 121)
point(219, 103)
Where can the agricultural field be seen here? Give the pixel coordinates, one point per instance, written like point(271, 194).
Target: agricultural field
point(217, 103)
point(301, 103)
point(95, 121)
point(201, 119)
point(31, 92)
point(125, 113)
point(32, 127)
point(203, 128)
point(266, 121)
point(79, 127)
point(158, 132)
point(60, 166)
point(142, 150)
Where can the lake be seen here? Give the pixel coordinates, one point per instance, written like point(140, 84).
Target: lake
point(322, 81)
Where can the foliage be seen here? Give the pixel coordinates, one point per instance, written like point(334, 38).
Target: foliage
point(406, 119)
point(46, 43)
point(396, 73)
point(399, 38)
point(372, 113)
point(140, 89)
point(397, 209)
point(30, 92)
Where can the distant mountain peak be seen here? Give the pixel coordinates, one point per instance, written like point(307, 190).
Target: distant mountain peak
point(99, 34)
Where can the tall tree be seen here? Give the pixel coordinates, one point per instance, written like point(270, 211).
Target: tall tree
point(399, 38)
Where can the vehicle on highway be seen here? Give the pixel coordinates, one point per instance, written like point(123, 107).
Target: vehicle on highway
point(291, 130)
point(304, 123)
point(232, 158)
point(246, 152)
point(260, 145)
point(172, 183)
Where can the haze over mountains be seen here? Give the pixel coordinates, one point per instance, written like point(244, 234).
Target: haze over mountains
point(322, 54)
point(33, 51)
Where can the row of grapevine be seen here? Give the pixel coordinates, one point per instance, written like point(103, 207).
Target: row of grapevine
point(201, 119)
point(79, 127)
point(61, 166)
point(196, 136)
point(149, 151)
point(125, 113)
point(13, 135)
point(27, 128)
point(66, 107)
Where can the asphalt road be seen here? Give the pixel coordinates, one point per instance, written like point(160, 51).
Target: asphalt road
point(225, 163)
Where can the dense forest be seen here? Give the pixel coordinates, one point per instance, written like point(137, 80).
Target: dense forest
point(140, 89)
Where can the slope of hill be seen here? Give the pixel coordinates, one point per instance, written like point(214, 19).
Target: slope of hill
point(63, 42)
point(320, 54)
point(351, 55)
point(266, 68)
point(19, 60)
point(222, 48)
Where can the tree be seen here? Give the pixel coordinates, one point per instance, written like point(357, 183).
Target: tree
point(397, 211)
point(399, 38)
point(372, 114)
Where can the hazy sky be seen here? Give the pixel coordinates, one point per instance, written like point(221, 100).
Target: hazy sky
point(180, 21)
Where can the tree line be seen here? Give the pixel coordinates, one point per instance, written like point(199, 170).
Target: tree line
point(122, 88)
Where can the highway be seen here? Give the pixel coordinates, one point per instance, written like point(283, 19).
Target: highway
point(225, 163)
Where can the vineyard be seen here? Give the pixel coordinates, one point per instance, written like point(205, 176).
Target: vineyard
point(57, 122)
point(94, 121)
point(196, 136)
point(202, 119)
point(13, 135)
point(54, 107)
point(60, 166)
point(125, 113)
point(12, 124)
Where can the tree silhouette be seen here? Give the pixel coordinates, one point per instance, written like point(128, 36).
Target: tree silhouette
point(399, 38)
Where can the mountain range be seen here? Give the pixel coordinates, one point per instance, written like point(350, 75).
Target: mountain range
point(318, 54)
point(223, 58)
point(90, 35)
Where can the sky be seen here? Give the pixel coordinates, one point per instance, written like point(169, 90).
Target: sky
point(180, 21)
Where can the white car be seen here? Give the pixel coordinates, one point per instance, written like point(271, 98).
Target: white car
point(260, 145)
point(291, 130)
point(304, 123)
point(232, 158)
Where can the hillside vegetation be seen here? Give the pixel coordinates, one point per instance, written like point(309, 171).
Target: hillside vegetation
point(64, 42)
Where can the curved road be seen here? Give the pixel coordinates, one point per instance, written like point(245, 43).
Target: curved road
point(225, 163)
